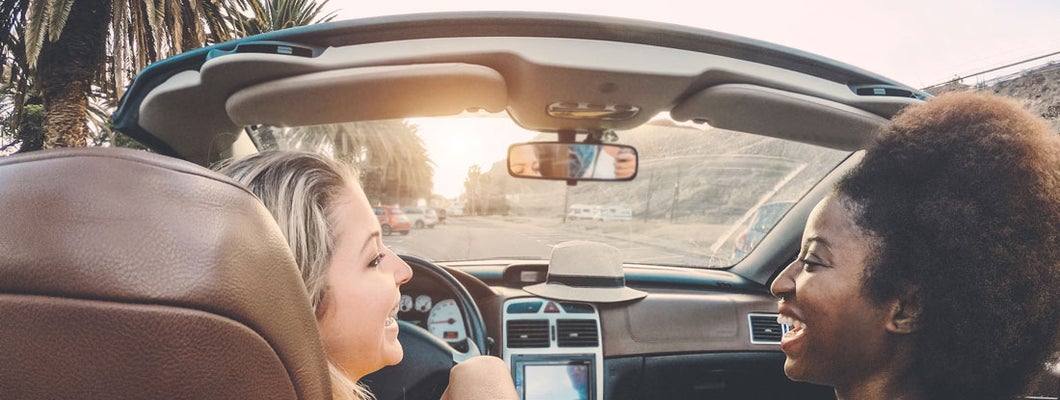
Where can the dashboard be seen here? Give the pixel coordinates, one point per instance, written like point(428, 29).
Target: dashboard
point(698, 333)
point(431, 307)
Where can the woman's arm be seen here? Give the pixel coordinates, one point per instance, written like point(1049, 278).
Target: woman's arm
point(483, 377)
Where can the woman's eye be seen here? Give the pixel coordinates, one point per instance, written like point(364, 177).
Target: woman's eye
point(807, 265)
point(377, 260)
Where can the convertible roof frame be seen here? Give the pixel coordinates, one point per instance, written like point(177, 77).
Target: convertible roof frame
point(315, 38)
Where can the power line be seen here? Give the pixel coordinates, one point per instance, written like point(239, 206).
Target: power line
point(960, 78)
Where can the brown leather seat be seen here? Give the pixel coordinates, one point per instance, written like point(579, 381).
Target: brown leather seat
point(125, 274)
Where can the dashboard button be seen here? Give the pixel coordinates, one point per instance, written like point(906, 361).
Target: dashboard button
point(577, 308)
point(525, 307)
point(551, 308)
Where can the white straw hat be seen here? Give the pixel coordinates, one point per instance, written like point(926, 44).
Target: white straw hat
point(585, 271)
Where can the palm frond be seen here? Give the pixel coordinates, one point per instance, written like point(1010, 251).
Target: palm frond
point(58, 11)
point(11, 16)
point(218, 18)
point(176, 25)
point(119, 45)
point(250, 17)
point(98, 116)
point(156, 12)
point(36, 29)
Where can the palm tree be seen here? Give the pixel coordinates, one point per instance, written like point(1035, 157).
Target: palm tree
point(390, 156)
point(14, 78)
point(72, 45)
point(277, 14)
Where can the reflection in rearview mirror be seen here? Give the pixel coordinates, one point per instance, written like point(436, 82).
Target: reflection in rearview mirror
point(572, 161)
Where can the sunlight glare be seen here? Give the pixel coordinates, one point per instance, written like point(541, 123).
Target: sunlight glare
point(469, 139)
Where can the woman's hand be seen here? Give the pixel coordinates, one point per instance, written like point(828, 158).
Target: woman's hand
point(625, 164)
point(482, 377)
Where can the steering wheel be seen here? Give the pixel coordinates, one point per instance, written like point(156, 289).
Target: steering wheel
point(423, 372)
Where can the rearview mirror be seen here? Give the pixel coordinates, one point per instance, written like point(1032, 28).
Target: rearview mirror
point(572, 161)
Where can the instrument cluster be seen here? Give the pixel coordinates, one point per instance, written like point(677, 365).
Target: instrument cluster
point(441, 316)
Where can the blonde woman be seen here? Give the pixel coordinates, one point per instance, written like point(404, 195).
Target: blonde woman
point(351, 277)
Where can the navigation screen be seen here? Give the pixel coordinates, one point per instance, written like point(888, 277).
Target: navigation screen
point(556, 382)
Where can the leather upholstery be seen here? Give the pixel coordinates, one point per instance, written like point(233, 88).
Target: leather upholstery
point(125, 274)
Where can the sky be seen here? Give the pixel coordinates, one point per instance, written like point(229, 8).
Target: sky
point(916, 42)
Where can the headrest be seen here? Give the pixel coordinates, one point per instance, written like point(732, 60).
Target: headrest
point(125, 274)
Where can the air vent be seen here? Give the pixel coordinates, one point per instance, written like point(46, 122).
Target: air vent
point(765, 329)
point(576, 333)
point(527, 333)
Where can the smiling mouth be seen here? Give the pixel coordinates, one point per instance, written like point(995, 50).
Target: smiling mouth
point(391, 319)
point(796, 330)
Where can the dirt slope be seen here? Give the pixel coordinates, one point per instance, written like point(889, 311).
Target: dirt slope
point(1037, 89)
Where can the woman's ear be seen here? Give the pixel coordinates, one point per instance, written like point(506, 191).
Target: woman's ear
point(905, 314)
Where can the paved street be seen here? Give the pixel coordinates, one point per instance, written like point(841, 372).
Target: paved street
point(473, 238)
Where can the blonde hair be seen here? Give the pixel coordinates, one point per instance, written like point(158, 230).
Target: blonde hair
point(302, 191)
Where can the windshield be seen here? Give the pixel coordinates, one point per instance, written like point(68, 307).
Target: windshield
point(702, 197)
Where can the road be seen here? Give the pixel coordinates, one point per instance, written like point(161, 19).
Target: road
point(472, 238)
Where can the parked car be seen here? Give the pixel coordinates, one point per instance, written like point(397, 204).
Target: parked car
point(743, 119)
point(421, 217)
point(433, 215)
point(454, 211)
point(392, 219)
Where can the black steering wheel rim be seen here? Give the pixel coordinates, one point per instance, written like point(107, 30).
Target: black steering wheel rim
point(424, 370)
point(473, 322)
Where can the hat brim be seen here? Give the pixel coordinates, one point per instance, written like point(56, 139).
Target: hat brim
point(587, 294)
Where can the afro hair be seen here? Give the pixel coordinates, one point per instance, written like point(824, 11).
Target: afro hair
point(963, 192)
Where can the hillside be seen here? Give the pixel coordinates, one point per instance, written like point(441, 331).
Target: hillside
point(1037, 89)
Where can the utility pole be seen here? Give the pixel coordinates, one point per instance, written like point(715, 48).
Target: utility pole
point(566, 202)
point(474, 194)
point(488, 193)
point(647, 205)
point(677, 192)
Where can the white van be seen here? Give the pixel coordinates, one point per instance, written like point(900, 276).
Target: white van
point(583, 211)
point(614, 213)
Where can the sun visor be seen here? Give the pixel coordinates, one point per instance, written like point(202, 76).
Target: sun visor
point(777, 113)
point(369, 93)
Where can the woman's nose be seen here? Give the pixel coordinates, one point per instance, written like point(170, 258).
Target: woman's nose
point(402, 271)
point(784, 284)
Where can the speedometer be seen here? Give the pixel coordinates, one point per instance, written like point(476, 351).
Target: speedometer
point(446, 322)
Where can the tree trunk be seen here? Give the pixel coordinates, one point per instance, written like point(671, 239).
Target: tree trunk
point(65, 70)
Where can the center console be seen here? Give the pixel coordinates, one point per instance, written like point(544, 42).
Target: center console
point(553, 349)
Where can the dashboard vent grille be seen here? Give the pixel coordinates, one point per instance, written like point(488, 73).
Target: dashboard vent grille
point(576, 333)
point(527, 333)
point(765, 329)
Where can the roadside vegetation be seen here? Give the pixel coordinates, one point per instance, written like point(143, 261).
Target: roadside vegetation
point(66, 63)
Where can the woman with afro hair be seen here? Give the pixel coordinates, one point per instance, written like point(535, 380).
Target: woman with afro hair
point(932, 270)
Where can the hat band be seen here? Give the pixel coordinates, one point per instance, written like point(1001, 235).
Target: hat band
point(588, 281)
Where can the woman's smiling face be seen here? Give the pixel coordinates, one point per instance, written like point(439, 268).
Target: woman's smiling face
point(839, 336)
point(358, 326)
